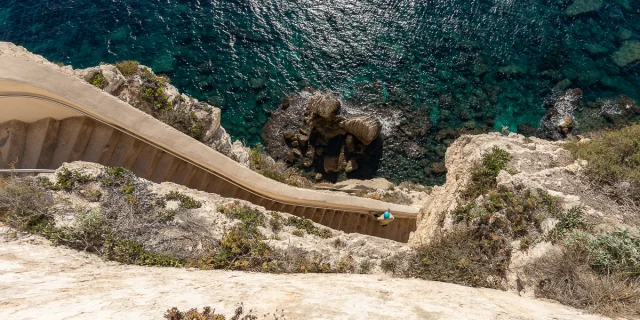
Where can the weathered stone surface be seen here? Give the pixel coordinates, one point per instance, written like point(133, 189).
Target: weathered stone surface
point(87, 287)
point(366, 128)
point(619, 110)
point(324, 105)
point(332, 164)
point(352, 165)
point(114, 78)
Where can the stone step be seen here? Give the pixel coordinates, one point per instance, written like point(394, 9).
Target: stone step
point(97, 145)
point(40, 144)
point(83, 140)
point(66, 139)
point(13, 137)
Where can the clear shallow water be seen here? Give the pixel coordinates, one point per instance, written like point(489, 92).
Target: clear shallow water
point(443, 56)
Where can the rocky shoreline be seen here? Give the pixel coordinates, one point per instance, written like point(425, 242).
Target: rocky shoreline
point(406, 145)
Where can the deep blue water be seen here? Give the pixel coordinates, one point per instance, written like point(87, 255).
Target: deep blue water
point(447, 57)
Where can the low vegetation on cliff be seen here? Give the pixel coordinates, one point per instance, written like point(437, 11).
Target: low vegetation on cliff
point(279, 171)
point(111, 212)
point(585, 267)
point(613, 162)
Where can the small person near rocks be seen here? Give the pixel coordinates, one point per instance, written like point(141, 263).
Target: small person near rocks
point(384, 218)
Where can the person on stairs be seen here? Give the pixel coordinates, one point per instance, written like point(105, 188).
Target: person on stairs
point(384, 218)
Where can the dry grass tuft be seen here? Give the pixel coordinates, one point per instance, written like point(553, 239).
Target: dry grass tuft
point(465, 257)
point(613, 162)
point(567, 278)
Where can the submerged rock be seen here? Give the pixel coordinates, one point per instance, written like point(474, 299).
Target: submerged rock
point(628, 53)
point(583, 6)
point(625, 4)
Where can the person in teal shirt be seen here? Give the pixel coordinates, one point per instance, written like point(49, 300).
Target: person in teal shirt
point(384, 218)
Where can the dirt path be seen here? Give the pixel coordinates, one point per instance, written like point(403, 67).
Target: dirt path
point(38, 281)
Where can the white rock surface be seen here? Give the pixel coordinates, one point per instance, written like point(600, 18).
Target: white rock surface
point(38, 281)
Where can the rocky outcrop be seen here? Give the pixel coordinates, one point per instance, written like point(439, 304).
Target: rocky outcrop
point(365, 128)
point(559, 121)
point(152, 94)
point(535, 164)
point(324, 105)
point(571, 116)
point(317, 131)
point(313, 131)
point(186, 231)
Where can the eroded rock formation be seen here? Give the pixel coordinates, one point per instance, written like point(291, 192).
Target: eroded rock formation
point(319, 132)
point(314, 132)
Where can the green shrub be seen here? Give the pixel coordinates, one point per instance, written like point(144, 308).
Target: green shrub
point(128, 67)
point(365, 266)
point(395, 264)
point(567, 278)
point(483, 174)
point(523, 209)
point(261, 163)
point(568, 221)
point(346, 265)
point(66, 179)
point(298, 232)
point(339, 244)
point(276, 222)
point(307, 225)
point(610, 253)
point(25, 203)
point(119, 177)
point(251, 219)
point(186, 202)
point(98, 80)
point(241, 248)
point(131, 252)
point(90, 232)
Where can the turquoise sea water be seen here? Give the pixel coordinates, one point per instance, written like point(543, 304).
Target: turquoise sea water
point(468, 62)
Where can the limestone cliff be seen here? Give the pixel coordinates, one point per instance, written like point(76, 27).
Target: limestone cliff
point(535, 164)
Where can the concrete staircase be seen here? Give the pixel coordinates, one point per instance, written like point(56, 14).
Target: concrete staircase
point(47, 143)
